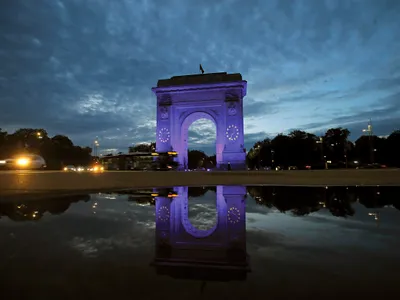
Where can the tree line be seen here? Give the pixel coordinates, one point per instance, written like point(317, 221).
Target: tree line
point(58, 151)
point(298, 148)
point(333, 149)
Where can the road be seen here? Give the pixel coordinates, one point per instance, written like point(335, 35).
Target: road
point(12, 182)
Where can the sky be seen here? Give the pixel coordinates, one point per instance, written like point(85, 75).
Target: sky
point(85, 68)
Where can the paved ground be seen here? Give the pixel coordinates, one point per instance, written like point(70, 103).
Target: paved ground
point(12, 182)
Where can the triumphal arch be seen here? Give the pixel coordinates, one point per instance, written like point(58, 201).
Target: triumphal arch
point(181, 100)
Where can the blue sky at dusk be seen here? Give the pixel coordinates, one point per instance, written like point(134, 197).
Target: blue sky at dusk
point(85, 68)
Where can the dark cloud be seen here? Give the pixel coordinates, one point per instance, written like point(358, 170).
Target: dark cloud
point(379, 84)
point(85, 68)
point(259, 108)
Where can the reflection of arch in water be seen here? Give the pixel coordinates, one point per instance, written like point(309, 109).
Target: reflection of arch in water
point(178, 243)
point(172, 215)
point(189, 227)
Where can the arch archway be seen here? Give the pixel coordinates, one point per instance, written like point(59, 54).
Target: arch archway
point(186, 123)
point(185, 221)
point(218, 97)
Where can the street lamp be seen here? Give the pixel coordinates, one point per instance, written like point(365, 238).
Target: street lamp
point(321, 142)
point(39, 135)
point(258, 156)
point(272, 159)
point(96, 145)
point(371, 148)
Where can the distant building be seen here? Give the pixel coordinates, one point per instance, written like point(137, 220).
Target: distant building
point(133, 161)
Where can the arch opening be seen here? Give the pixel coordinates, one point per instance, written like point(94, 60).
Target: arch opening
point(202, 212)
point(199, 139)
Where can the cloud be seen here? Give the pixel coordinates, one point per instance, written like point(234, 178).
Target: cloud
point(255, 109)
point(385, 118)
point(85, 68)
point(202, 132)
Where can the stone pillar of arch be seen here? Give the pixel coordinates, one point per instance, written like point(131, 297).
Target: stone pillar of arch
point(223, 246)
point(218, 97)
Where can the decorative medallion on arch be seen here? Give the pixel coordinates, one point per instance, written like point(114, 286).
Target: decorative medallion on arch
point(181, 100)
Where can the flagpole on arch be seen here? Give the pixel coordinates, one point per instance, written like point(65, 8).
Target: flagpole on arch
point(201, 69)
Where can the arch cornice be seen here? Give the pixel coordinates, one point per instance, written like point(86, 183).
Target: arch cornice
point(202, 87)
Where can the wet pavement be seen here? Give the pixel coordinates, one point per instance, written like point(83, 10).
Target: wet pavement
point(13, 182)
point(225, 241)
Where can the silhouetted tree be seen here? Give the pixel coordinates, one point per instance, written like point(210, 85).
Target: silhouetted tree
point(213, 160)
point(62, 141)
point(300, 148)
point(260, 155)
point(392, 149)
point(335, 144)
point(304, 149)
point(196, 159)
point(3, 136)
point(143, 147)
point(57, 151)
point(362, 149)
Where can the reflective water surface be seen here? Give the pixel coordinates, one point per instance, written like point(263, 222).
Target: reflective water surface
point(224, 241)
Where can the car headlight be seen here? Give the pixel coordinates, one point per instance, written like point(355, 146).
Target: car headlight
point(23, 162)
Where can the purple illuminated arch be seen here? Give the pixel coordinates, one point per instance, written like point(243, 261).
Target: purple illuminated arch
point(181, 100)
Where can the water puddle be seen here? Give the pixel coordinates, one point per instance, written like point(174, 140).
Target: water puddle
point(260, 236)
